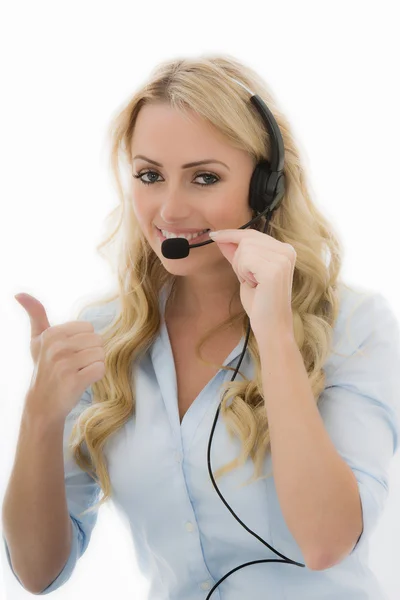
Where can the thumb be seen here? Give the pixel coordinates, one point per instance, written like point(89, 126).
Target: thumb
point(36, 311)
point(228, 249)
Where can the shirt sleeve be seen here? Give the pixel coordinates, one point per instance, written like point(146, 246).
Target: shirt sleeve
point(360, 404)
point(81, 492)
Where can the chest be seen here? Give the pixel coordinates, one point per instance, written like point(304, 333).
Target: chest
point(192, 375)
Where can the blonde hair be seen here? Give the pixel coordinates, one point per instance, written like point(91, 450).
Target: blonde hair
point(204, 85)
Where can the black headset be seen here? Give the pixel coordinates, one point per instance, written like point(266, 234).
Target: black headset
point(267, 188)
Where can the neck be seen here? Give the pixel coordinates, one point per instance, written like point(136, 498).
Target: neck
point(204, 302)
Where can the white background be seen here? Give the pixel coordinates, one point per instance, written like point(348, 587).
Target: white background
point(67, 67)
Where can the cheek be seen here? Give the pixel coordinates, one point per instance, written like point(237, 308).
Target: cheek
point(140, 208)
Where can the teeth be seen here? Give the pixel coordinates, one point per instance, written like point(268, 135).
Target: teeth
point(187, 236)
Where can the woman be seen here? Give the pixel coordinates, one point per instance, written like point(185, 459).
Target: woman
point(305, 435)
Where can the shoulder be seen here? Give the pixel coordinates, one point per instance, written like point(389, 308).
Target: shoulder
point(366, 319)
point(100, 315)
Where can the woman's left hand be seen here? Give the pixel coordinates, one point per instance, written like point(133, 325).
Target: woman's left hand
point(264, 267)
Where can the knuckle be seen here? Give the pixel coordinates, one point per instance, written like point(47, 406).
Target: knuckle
point(291, 251)
point(46, 336)
point(53, 350)
point(63, 368)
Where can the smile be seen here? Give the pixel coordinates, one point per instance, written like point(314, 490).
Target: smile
point(200, 238)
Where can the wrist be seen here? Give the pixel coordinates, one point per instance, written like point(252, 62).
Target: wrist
point(275, 337)
point(37, 416)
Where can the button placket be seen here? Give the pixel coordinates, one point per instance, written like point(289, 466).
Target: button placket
point(205, 585)
point(178, 456)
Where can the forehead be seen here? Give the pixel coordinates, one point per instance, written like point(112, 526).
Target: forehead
point(159, 127)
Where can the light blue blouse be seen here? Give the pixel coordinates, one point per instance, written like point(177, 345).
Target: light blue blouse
point(184, 537)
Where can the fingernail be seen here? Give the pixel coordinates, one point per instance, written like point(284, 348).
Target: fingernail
point(213, 233)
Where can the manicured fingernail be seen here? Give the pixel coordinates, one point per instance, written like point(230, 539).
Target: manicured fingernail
point(213, 233)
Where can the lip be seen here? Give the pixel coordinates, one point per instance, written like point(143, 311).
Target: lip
point(200, 238)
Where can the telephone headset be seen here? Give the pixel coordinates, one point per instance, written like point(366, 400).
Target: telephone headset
point(267, 188)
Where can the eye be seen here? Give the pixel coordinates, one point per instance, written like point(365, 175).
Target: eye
point(140, 175)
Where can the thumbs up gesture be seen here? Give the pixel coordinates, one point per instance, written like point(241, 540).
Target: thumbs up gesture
point(67, 359)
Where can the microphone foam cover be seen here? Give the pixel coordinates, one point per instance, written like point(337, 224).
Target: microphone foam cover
point(175, 248)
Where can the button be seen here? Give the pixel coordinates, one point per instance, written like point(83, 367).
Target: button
point(205, 585)
point(178, 456)
point(189, 526)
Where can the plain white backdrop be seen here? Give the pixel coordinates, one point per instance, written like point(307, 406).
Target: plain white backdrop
point(66, 68)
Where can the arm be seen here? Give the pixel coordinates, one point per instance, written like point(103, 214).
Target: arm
point(36, 523)
point(45, 546)
point(358, 409)
point(317, 490)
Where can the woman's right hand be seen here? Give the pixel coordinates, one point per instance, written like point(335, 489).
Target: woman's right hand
point(67, 359)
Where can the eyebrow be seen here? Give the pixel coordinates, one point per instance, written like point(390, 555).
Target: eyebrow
point(187, 165)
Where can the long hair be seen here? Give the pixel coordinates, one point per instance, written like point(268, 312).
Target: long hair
point(204, 85)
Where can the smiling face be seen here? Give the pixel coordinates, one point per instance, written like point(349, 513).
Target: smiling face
point(208, 196)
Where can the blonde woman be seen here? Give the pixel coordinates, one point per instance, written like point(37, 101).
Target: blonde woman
point(123, 400)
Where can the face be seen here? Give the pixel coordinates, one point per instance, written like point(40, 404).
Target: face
point(208, 196)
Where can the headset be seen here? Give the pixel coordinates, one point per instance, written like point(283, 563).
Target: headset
point(267, 188)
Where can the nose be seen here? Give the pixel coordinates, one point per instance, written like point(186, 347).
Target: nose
point(175, 207)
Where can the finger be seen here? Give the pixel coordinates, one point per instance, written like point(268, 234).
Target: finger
point(251, 282)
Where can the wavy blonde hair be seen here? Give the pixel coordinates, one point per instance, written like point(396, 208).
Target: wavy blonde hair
point(204, 85)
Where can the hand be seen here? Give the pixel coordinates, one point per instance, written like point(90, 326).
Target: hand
point(67, 359)
point(264, 267)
